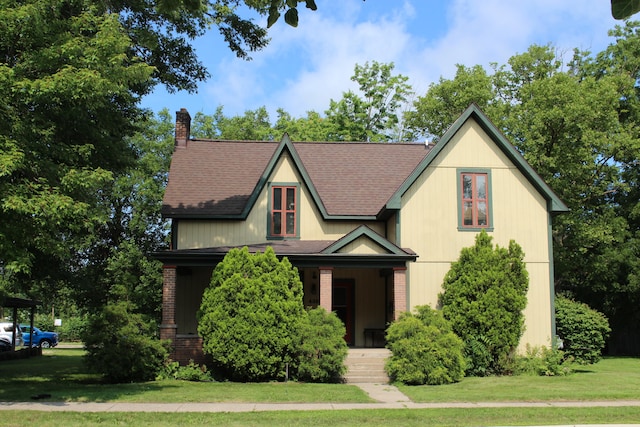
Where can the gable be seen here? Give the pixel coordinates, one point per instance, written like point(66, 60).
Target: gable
point(363, 240)
point(491, 143)
point(223, 179)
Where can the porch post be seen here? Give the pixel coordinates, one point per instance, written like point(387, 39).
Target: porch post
point(326, 285)
point(168, 326)
point(399, 291)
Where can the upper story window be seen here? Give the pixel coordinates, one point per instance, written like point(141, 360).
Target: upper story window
point(474, 199)
point(283, 218)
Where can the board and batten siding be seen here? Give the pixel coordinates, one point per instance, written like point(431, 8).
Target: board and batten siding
point(194, 234)
point(429, 224)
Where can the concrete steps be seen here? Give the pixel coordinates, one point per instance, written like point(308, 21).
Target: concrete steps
point(366, 365)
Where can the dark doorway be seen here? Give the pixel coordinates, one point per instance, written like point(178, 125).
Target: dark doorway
point(343, 305)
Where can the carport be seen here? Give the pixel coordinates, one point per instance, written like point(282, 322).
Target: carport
point(14, 304)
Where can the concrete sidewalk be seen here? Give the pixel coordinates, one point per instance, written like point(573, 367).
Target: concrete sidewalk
point(385, 395)
point(263, 407)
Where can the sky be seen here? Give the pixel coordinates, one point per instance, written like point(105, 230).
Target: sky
point(303, 68)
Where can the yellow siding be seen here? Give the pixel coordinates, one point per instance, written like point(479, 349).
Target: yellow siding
point(363, 246)
point(194, 234)
point(429, 223)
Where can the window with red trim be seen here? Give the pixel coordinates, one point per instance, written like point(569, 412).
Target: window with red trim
point(475, 200)
point(283, 211)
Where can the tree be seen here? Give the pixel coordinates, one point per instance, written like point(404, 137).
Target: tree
point(67, 102)
point(483, 296)
point(119, 250)
point(254, 125)
point(313, 127)
point(251, 314)
point(622, 9)
point(447, 100)
point(371, 115)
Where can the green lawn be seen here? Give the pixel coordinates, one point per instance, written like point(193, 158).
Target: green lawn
point(611, 379)
point(60, 372)
point(358, 418)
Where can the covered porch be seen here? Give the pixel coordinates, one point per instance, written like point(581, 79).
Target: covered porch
point(366, 289)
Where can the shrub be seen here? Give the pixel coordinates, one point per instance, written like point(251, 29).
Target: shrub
point(191, 372)
point(121, 345)
point(323, 349)
point(583, 330)
point(250, 316)
point(424, 349)
point(544, 361)
point(483, 296)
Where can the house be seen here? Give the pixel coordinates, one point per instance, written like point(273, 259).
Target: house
point(371, 227)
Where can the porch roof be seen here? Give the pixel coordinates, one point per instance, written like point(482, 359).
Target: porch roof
point(301, 253)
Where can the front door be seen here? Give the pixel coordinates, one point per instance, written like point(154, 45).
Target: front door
point(343, 305)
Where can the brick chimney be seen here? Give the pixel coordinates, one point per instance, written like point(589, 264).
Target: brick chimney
point(183, 127)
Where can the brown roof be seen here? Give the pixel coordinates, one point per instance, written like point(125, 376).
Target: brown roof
point(217, 178)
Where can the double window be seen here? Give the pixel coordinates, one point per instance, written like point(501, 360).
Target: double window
point(283, 215)
point(474, 200)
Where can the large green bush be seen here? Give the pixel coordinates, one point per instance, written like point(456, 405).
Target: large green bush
point(323, 348)
point(424, 349)
point(483, 296)
point(122, 346)
point(583, 330)
point(250, 316)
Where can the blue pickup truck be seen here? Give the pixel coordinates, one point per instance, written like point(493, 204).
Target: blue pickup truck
point(40, 338)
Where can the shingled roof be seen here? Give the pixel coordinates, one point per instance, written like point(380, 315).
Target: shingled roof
point(211, 178)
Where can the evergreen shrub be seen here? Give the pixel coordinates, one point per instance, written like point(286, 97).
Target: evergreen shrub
point(484, 294)
point(424, 349)
point(122, 346)
point(323, 348)
point(583, 330)
point(251, 315)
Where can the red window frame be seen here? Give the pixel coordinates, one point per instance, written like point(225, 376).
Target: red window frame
point(476, 200)
point(283, 214)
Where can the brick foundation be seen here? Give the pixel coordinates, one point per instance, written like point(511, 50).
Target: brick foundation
point(188, 348)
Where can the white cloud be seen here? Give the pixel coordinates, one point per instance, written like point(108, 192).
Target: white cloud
point(303, 68)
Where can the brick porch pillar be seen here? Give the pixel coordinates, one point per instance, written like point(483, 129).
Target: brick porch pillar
point(168, 326)
point(326, 285)
point(399, 291)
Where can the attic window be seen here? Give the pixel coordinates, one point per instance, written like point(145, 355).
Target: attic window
point(474, 201)
point(283, 215)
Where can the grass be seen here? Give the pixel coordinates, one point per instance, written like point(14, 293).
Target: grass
point(611, 379)
point(368, 417)
point(60, 372)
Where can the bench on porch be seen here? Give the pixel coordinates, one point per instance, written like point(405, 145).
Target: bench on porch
point(374, 338)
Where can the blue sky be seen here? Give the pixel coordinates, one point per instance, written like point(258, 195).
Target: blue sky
point(303, 68)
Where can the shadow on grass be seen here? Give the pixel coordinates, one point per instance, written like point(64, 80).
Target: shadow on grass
point(61, 375)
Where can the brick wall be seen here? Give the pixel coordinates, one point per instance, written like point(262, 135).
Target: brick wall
point(399, 291)
point(187, 348)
